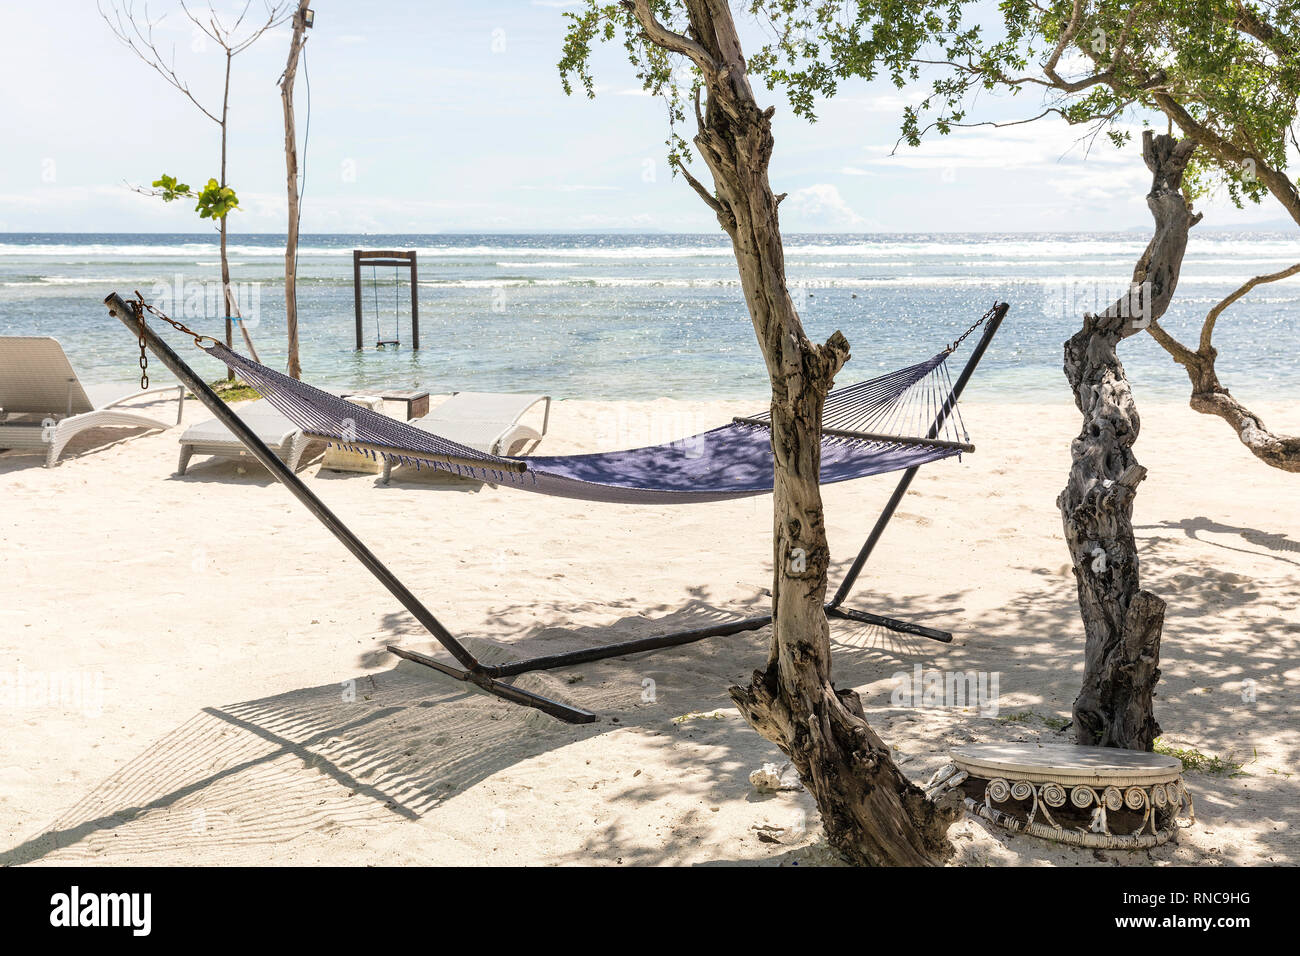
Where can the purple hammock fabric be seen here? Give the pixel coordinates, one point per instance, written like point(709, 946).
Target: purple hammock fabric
point(732, 461)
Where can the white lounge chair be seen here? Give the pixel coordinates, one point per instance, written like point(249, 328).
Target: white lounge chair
point(278, 433)
point(43, 404)
point(485, 421)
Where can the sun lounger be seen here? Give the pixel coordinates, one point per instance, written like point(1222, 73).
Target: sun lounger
point(277, 432)
point(485, 421)
point(43, 404)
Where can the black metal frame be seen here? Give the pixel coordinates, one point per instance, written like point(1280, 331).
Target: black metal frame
point(490, 677)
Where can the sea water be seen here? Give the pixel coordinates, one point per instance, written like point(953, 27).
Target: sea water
point(643, 316)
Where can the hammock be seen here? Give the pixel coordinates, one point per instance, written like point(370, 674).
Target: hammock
point(888, 423)
point(731, 461)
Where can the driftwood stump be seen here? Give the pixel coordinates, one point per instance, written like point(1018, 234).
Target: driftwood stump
point(1122, 623)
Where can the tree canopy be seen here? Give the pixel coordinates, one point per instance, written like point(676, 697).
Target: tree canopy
point(806, 48)
point(1225, 72)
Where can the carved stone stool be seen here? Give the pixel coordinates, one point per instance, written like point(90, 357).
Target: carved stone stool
point(1084, 796)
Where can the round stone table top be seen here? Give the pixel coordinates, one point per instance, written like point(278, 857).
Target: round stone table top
point(1066, 764)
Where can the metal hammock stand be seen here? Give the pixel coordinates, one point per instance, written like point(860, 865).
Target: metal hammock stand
point(492, 678)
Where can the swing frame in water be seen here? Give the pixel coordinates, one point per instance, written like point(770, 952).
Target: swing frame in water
point(376, 258)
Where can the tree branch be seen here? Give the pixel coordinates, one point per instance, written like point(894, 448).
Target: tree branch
point(140, 42)
point(1067, 36)
point(661, 36)
point(709, 198)
point(1207, 330)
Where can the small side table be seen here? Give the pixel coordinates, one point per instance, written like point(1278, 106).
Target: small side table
point(415, 403)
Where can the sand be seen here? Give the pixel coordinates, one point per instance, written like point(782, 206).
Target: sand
point(237, 705)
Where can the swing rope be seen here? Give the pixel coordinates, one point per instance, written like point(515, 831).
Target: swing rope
point(380, 341)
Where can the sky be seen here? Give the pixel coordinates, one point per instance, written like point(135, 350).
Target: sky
point(449, 117)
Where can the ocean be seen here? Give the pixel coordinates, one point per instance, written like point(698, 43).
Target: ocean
point(644, 316)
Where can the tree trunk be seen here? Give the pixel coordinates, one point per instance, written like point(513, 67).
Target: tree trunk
point(1122, 623)
point(225, 261)
point(291, 181)
point(871, 813)
point(227, 293)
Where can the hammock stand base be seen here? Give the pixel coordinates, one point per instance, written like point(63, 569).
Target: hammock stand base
point(490, 677)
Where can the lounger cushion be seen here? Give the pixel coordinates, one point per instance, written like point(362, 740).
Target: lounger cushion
point(477, 419)
point(267, 423)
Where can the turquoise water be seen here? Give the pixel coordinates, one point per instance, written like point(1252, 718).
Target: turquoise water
point(644, 316)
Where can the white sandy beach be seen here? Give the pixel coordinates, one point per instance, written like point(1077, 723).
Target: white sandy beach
point(229, 634)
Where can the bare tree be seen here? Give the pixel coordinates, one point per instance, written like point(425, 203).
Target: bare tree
point(1226, 75)
point(136, 30)
point(299, 38)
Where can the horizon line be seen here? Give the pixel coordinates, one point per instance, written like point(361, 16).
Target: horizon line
point(1245, 227)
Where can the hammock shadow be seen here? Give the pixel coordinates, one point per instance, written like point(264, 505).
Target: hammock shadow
point(264, 772)
point(392, 746)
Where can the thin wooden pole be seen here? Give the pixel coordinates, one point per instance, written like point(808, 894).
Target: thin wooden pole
point(225, 259)
point(356, 292)
point(415, 303)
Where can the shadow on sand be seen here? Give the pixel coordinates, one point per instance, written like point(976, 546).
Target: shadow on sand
point(381, 748)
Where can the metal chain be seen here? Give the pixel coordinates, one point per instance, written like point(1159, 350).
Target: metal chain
point(141, 307)
point(144, 356)
point(962, 338)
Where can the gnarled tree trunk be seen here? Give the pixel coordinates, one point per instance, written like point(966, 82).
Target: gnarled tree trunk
point(871, 812)
point(1122, 623)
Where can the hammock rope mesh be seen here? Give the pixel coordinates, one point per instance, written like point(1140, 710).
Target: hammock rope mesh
point(902, 419)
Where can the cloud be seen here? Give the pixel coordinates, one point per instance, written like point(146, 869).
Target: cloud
point(1072, 162)
point(1102, 183)
point(856, 171)
point(572, 188)
point(1044, 144)
point(889, 102)
point(819, 206)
